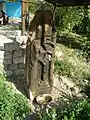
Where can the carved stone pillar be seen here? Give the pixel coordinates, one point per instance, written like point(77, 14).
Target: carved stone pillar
point(39, 54)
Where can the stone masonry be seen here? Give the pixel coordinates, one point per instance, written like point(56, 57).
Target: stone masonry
point(12, 58)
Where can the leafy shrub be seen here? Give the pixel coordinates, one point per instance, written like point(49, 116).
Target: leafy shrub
point(79, 110)
point(12, 106)
point(67, 17)
point(21, 107)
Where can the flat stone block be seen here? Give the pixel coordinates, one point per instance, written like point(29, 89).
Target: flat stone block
point(5, 55)
point(8, 73)
point(17, 53)
point(21, 39)
point(14, 66)
point(11, 46)
point(21, 65)
point(10, 33)
point(6, 62)
point(17, 32)
point(18, 60)
point(11, 67)
point(19, 72)
point(4, 39)
point(19, 77)
point(8, 55)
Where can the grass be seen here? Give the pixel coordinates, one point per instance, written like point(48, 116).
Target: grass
point(72, 63)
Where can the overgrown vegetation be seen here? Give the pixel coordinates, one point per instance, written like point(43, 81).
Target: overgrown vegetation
point(72, 64)
point(78, 110)
point(13, 106)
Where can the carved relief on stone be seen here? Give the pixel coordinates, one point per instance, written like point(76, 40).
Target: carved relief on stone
point(39, 54)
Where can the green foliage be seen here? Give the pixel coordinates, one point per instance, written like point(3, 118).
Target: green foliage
point(83, 28)
point(86, 49)
point(32, 6)
point(74, 19)
point(12, 106)
point(18, 27)
point(78, 110)
point(39, 5)
point(68, 17)
point(64, 67)
point(48, 114)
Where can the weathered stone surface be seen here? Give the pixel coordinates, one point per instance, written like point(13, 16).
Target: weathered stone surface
point(14, 66)
point(4, 39)
point(6, 62)
point(21, 39)
point(19, 72)
point(18, 60)
point(7, 55)
point(11, 46)
point(20, 77)
point(17, 32)
point(8, 33)
point(11, 67)
point(17, 53)
point(21, 65)
point(8, 73)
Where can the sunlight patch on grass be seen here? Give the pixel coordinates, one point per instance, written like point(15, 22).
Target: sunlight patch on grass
point(72, 64)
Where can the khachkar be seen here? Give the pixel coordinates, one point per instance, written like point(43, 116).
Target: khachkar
point(39, 54)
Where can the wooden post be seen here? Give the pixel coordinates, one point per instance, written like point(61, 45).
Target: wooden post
point(23, 17)
point(39, 69)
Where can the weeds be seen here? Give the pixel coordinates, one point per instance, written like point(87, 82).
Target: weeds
point(72, 65)
point(13, 106)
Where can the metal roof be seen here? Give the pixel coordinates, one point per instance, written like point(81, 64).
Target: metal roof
point(70, 2)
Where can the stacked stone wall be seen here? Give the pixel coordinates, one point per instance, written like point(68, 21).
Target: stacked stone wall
point(12, 59)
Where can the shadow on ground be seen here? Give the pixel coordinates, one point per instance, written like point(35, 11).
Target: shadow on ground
point(69, 42)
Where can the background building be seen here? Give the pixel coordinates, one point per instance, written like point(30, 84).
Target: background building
point(12, 9)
